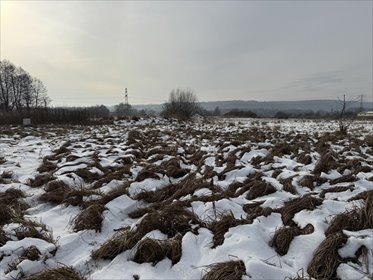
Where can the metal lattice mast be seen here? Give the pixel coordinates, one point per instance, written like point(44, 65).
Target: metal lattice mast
point(126, 97)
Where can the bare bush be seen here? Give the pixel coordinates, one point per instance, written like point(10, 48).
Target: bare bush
point(182, 104)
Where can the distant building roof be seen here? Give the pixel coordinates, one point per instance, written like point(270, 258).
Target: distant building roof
point(365, 114)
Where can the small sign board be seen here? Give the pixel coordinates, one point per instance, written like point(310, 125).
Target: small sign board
point(27, 122)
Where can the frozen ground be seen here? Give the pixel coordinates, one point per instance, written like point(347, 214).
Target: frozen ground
point(265, 199)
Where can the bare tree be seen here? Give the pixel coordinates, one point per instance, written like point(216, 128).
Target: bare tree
point(182, 104)
point(39, 91)
point(7, 73)
point(20, 90)
point(344, 118)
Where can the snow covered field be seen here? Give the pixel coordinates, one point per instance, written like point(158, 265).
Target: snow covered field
point(230, 199)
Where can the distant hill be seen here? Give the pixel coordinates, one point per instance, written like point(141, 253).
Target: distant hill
point(269, 108)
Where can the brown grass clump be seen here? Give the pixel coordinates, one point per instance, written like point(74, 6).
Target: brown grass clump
point(153, 251)
point(280, 149)
point(300, 276)
point(89, 218)
point(6, 174)
point(116, 175)
point(326, 163)
point(356, 219)
point(231, 270)
point(63, 149)
point(47, 166)
point(86, 175)
point(254, 210)
point(134, 137)
point(326, 259)
point(222, 225)
point(5, 177)
point(11, 196)
point(172, 168)
point(308, 181)
point(10, 206)
point(292, 207)
point(31, 253)
point(149, 171)
point(34, 230)
point(287, 185)
point(171, 220)
point(363, 195)
point(175, 191)
point(335, 189)
point(55, 192)
point(3, 238)
point(285, 235)
point(5, 214)
point(41, 179)
point(304, 158)
point(59, 192)
point(232, 189)
point(61, 273)
point(139, 212)
point(343, 179)
point(121, 241)
point(114, 193)
point(260, 188)
point(2, 160)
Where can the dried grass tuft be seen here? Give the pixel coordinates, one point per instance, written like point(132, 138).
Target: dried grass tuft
point(363, 195)
point(32, 253)
point(171, 220)
point(334, 189)
point(89, 218)
point(55, 192)
point(33, 229)
point(222, 225)
point(326, 163)
point(356, 219)
point(5, 177)
point(260, 188)
point(254, 210)
point(283, 237)
point(153, 251)
point(47, 166)
point(120, 242)
point(292, 207)
point(114, 193)
point(3, 238)
point(231, 270)
point(86, 175)
point(175, 191)
point(326, 259)
point(304, 158)
point(41, 180)
point(62, 273)
point(172, 168)
point(308, 181)
point(287, 185)
point(5, 214)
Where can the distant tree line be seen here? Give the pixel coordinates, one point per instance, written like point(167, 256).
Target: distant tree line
point(19, 90)
point(24, 96)
point(71, 115)
point(236, 113)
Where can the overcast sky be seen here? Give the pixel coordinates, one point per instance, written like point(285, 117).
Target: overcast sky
point(87, 52)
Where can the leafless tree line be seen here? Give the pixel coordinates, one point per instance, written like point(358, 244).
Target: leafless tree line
point(19, 90)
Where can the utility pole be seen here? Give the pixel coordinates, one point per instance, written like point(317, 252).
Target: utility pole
point(361, 103)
